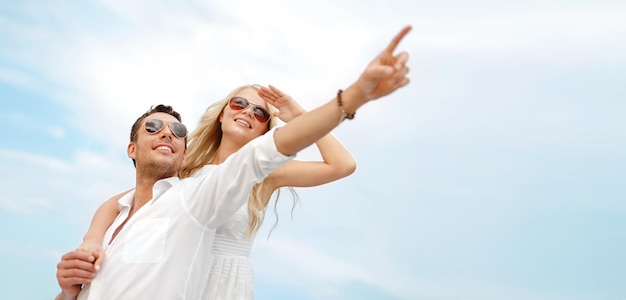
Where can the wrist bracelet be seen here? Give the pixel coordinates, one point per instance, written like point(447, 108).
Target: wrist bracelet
point(344, 114)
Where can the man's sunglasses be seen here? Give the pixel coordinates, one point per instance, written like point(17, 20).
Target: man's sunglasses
point(154, 126)
point(241, 103)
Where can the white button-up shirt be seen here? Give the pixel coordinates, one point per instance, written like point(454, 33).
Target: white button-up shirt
point(163, 250)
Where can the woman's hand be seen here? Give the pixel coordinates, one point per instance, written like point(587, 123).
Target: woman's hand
point(288, 109)
point(387, 72)
point(94, 248)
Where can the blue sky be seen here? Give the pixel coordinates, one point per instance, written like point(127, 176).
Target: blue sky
point(498, 173)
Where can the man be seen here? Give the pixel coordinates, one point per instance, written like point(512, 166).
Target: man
point(164, 229)
point(158, 246)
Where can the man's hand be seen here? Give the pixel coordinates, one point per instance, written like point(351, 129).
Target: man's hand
point(75, 269)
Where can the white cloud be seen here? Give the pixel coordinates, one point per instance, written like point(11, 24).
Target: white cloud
point(324, 275)
point(41, 161)
point(42, 184)
point(523, 31)
point(56, 132)
point(312, 267)
point(28, 250)
point(14, 77)
point(26, 205)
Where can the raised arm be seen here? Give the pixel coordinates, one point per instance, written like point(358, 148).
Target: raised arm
point(337, 161)
point(258, 158)
point(385, 74)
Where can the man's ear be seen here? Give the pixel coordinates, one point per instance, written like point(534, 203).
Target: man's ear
point(131, 150)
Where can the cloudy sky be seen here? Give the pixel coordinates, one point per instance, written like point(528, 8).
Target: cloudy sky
point(498, 173)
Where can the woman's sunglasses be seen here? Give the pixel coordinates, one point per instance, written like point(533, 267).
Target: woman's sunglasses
point(241, 103)
point(153, 126)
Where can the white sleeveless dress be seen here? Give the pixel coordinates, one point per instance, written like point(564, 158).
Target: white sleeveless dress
point(231, 276)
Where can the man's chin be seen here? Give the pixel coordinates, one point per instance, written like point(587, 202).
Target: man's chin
point(161, 169)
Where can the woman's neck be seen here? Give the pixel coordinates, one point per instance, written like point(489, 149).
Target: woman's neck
point(226, 148)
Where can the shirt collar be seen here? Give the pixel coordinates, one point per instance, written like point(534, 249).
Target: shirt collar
point(163, 185)
point(158, 189)
point(126, 200)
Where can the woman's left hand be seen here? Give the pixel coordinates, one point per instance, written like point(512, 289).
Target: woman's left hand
point(288, 109)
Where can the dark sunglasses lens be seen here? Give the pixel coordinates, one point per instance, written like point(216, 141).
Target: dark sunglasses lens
point(238, 103)
point(261, 114)
point(154, 125)
point(178, 129)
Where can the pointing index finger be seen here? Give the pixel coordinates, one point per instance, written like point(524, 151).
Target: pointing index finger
point(396, 40)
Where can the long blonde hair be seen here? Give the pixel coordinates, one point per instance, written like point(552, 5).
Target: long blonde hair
point(202, 148)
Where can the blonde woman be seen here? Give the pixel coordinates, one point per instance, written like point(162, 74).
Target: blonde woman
point(225, 127)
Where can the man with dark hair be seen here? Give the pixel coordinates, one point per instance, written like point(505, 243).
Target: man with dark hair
point(158, 245)
point(157, 152)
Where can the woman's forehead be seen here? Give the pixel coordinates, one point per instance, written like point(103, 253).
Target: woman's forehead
point(251, 95)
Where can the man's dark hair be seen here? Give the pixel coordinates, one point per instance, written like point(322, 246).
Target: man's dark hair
point(154, 109)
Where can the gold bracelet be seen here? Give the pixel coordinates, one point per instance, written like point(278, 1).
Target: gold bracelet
point(344, 114)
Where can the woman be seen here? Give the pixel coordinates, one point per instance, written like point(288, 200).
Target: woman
point(224, 128)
